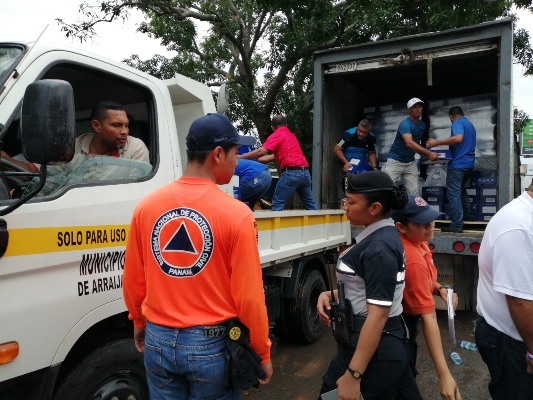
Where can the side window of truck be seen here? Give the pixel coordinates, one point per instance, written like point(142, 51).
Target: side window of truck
point(90, 87)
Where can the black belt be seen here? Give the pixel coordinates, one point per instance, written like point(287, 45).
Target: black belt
point(296, 168)
point(391, 324)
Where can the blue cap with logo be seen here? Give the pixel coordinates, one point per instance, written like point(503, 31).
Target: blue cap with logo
point(417, 210)
point(214, 130)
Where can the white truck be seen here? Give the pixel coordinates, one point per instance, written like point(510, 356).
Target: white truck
point(64, 331)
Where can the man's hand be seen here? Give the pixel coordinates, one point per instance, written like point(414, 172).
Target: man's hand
point(433, 156)
point(346, 167)
point(431, 143)
point(268, 370)
point(138, 338)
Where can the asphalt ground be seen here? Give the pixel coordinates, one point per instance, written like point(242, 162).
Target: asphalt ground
point(298, 368)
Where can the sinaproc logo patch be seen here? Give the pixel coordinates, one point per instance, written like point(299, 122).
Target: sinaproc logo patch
point(182, 242)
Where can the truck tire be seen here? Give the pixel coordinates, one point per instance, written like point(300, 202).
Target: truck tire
point(306, 324)
point(112, 371)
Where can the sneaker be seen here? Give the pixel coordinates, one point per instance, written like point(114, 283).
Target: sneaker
point(455, 229)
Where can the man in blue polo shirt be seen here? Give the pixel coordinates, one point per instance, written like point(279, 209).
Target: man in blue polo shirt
point(462, 143)
point(359, 143)
point(254, 181)
point(401, 161)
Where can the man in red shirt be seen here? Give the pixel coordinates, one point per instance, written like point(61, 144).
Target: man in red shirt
point(192, 265)
point(283, 147)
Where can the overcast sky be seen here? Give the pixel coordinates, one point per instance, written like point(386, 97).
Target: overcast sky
point(26, 19)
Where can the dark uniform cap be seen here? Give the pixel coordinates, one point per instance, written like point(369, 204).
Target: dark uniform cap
point(367, 182)
point(417, 210)
point(214, 130)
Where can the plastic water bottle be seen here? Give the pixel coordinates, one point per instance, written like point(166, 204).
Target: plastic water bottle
point(467, 345)
point(456, 359)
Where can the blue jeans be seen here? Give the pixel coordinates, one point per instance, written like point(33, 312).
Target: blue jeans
point(252, 190)
point(506, 359)
point(289, 182)
point(457, 181)
point(182, 364)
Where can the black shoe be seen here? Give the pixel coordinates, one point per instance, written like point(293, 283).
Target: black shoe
point(455, 229)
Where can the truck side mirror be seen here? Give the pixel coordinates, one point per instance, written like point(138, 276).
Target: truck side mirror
point(48, 122)
point(47, 133)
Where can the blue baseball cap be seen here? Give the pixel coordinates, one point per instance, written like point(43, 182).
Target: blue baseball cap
point(214, 130)
point(417, 210)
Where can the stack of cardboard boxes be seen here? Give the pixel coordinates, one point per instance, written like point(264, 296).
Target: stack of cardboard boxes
point(483, 189)
point(482, 194)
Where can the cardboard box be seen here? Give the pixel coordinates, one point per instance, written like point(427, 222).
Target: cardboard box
point(487, 191)
point(436, 207)
point(444, 157)
point(472, 195)
point(472, 192)
point(488, 196)
point(359, 166)
point(486, 179)
point(487, 200)
point(485, 217)
point(484, 209)
point(434, 194)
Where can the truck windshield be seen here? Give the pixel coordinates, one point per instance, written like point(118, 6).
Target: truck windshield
point(8, 58)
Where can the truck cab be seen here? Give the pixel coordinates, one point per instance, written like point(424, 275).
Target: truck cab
point(65, 330)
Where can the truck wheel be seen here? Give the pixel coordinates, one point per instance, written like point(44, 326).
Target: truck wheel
point(306, 324)
point(113, 371)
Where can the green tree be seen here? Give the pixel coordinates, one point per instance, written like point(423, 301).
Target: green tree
point(264, 48)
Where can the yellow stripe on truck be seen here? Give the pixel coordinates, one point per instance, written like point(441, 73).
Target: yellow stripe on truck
point(26, 241)
point(268, 224)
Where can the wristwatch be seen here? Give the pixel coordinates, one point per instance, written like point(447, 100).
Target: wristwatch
point(443, 287)
point(354, 373)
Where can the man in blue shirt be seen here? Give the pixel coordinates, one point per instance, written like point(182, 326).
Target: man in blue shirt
point(462, 143)
point(254, 181)
point(401, 161)
point(359, 143)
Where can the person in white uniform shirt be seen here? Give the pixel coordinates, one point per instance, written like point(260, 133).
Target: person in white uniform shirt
point(504, 329)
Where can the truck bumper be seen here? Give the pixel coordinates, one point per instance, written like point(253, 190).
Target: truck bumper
point(36, 385)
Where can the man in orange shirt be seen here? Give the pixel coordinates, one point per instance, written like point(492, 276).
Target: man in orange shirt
point(192, 265)
point(415, 223)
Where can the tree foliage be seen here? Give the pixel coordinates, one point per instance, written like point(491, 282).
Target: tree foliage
point(264, 48)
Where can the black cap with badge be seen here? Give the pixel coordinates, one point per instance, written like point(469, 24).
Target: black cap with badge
point(214, 130)
point(367, 182)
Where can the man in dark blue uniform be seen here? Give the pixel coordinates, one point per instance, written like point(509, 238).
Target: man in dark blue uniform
point(359, 143)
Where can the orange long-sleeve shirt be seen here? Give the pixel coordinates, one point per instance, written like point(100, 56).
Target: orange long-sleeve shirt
point(192, 259)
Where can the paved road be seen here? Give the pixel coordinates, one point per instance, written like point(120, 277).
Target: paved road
point(298, 369)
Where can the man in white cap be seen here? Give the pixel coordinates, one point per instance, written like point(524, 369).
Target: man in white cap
point(401, 161)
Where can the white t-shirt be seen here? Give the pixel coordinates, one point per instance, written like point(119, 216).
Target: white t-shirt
point(506, 263)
